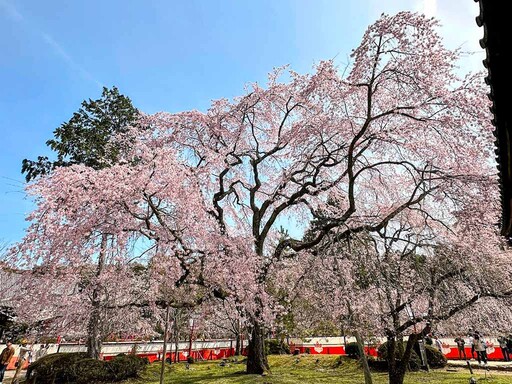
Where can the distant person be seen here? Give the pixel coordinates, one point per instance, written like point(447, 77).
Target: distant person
point(438, 344)
point(480, 349)
point(30, 354)
point(5, 358)
point(42, 351)
point(460, 346)
point(22, 358)
point(509, 345)
point(504, 349)
point(472, 343)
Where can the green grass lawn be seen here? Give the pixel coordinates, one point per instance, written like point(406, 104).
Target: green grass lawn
point(306, 370)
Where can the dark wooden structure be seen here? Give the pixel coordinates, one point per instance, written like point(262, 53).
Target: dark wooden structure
point(495, 19)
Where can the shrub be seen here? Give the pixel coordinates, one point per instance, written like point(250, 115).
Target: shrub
point(352, 350)
point(125, 366)
point(435, 358)
point(276, 347)
point(54, 367)
point(414, 361)
point(87, 371)
point(63, 368)
point(190, 360)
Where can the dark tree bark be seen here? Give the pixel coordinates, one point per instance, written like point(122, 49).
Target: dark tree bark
point(176, 337)
point(94, 336)
point(238, 345)
point(257, 359)
point(94, 342)
point(398, 367)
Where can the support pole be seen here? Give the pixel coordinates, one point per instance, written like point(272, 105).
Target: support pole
point(164, 352)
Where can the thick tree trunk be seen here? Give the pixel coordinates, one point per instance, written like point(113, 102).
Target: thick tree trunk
point(176, 335)
point(256, 357)
point(237, 328)
point(364, 360)
point(396, 376)
point(396, 371)
point(398, 367)
point(176, 350)
point(238, 345)
point(94, 337)
point(94, 342)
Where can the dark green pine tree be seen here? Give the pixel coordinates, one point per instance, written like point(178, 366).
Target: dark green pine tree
point(83, 139)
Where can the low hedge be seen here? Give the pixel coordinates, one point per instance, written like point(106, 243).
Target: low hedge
point(414, 361)
point(276, 347)
point(435, 358)
point(88, 371)
point(352, 350)
point(77, 368)
point(123, 367)
point(55, 365)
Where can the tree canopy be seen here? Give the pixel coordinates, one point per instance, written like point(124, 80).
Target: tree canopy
point(395, 151)
point(84, 139)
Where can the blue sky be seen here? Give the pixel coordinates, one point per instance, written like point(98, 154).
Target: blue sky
point(166, 55)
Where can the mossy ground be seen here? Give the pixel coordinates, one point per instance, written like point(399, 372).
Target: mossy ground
point(307, 369)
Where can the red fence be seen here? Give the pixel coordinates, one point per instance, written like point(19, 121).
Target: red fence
point(198, 349)
point(197, 355)
point(451, 352)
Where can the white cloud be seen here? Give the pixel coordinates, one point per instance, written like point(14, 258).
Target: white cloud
point(57, 48)
point(10, 10)
point(458, 25)
point(16, 16)
point(459, 30)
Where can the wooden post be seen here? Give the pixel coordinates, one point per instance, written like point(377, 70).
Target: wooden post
point(164, 351)
point(191, 324)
